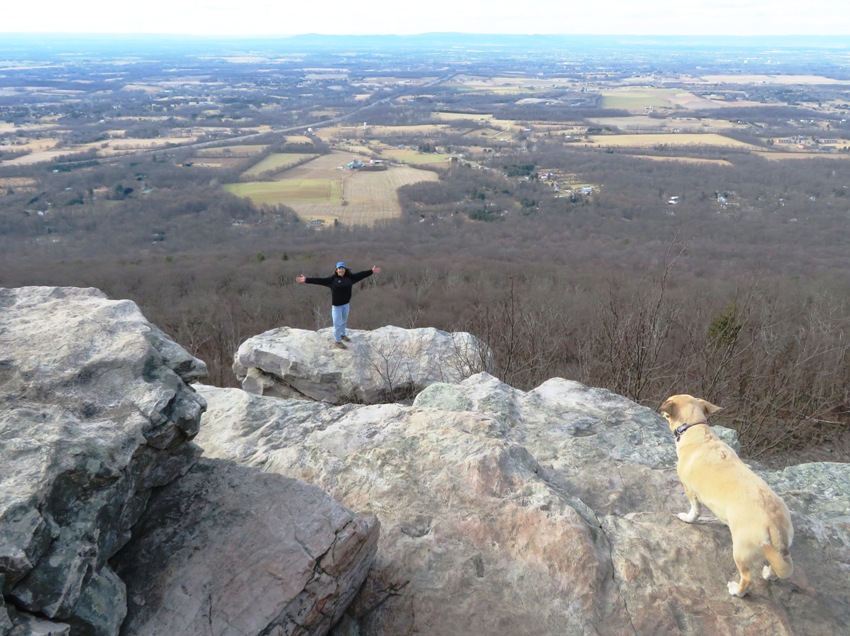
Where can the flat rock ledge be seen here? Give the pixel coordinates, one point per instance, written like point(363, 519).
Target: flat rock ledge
point(389, 364)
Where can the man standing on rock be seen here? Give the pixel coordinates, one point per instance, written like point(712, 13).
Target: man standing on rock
point(340, 283)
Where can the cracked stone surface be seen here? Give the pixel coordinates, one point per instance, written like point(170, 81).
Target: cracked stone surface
point(551, 511)
point(230, 550)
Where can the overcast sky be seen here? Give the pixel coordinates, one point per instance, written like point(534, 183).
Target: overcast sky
point(290, 17)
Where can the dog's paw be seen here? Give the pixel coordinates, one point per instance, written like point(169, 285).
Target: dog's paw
point(767, 573)
point(733, 589)
point(687, 517)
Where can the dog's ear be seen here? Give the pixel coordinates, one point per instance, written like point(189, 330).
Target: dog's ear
point(708, 408)
point(669, 409)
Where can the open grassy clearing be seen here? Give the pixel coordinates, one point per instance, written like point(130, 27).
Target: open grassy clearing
point(18, 182)
point(320, 190)
point(638, 99)
point(41, 126)
point(414, 157)
point(288, 191)
point(644, 123)
point(125, 145)
point(327, 166)
point(276, 162)
point(298, 139)
point(672, 139)
point(369, 197)
point(444, 116)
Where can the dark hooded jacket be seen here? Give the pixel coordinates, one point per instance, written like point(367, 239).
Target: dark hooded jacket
point(340, 285)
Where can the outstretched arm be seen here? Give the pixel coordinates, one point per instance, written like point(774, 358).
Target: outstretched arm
point(366, 273)
point(314, 281)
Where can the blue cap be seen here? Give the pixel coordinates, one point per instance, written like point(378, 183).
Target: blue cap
point(341, 264)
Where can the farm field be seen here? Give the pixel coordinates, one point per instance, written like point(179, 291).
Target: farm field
point(368, 197)
point(415, 157)
point(669, 139)
point(288, 191)
point(27, 183)
point(321, 190)
point(644, 123)
point(449, 116)
point(638, 99)
point(275, 163)
point(44, 150)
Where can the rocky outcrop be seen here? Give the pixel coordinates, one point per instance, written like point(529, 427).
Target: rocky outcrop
point(230, 550)
point(95, 413)
point(385, 365)
point(550, 511)
point(99, 477)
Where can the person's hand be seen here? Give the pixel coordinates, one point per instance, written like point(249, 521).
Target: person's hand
point(300, 279)
point(376, 270)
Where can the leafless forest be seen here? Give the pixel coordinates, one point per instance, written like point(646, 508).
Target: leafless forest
point(727, 278)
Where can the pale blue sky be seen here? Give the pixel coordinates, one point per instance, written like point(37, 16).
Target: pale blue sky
point(289, 17)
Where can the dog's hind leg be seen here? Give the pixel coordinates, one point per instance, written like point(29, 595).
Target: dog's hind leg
point(741, 587)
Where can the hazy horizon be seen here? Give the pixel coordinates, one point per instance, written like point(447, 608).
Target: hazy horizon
point(265, 18)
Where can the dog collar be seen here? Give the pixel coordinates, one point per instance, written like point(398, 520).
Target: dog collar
point(684, 427)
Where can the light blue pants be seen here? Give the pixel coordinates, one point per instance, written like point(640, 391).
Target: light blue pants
point(340, 318)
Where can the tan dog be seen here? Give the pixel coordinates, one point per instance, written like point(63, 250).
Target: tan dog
point(714, 476)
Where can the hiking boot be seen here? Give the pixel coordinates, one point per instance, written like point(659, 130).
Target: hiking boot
point(346, 339)
point(339, 345)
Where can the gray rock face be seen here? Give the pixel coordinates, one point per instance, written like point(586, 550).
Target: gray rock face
point(243, 552)
point(550, 511)
point(384, 365)
point(95, 411)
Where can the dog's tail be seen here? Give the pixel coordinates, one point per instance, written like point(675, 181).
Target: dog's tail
point(778, 554)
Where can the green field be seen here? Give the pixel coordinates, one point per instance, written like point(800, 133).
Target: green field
point(288, 191)
point(277, 162)
point(635, 98)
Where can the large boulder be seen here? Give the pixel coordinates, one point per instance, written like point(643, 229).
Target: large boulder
point(230, 550)
point(550, 511)
point(109, 521)
point(385, 365)
point(95, 412)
